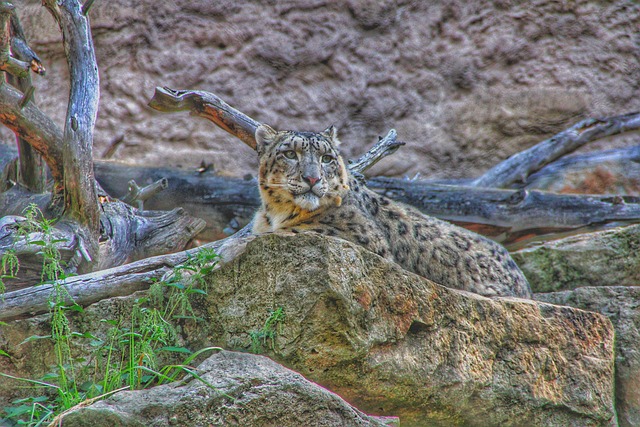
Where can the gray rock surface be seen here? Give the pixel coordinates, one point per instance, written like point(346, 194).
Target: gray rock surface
point(466, 83)
point(622, 305)
point(248, 390)
point(393, 343)
point(603, 258)
point(387, 341)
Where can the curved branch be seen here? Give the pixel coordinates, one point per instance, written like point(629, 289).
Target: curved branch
point(80, 195)
point(209, 106)
point(384, 147)
point(518, 167)
point(32, 125)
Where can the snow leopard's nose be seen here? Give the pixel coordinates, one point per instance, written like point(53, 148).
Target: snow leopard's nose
point(311, 180)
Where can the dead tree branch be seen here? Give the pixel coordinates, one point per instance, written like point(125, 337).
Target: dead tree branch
point(32, 125)
point(80, 195)
point(31, 172)
point(518, 167)
point(118, 281)
point(209, 106)
point(384, 147)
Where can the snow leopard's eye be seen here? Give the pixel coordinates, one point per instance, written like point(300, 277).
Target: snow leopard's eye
point(290, 154)
point(326, 158)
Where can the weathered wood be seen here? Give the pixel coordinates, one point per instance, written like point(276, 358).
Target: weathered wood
point(127, 235)
point(508, 216)
point(80, 195)
point(384, 147)
point(220, 201)
point(136, 196)
point(21, 49)
point(614, 171)
point(517, 168)
point(7, 62)
point(119, 281)
point(209, 106)
point(31, 167)
point(33, 126)
point(511, 217)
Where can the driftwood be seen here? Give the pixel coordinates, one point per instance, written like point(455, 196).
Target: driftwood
point(92, 229)
point(517, 168)
point(508, 216)
point(615, 171)
point(211, 107)
point(118, 281)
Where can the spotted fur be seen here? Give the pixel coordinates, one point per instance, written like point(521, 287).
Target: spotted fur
point(305, 186)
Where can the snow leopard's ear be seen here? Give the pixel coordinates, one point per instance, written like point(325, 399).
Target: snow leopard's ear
point(265, 135)
point(332, 134)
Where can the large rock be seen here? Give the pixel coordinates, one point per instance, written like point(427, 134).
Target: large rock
point(603, 258)
point(246, 390)
point(393, 343)
point(622, 305)
point(465, 82)
point(389, 342)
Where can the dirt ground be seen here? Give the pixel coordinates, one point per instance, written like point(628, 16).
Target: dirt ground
point(465, 83)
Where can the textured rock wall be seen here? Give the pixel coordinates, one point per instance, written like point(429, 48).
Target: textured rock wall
point(466, 83)
point(621, 304)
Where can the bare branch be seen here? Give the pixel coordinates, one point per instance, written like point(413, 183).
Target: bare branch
point(517, 168)
point(31, 167)
point(32, 125)
point(118, 281)
point(20, 48)
point(209, 106)
point(80, 196)
point(238, 124)
point(384, 147)
point(138, 195)
point(8, 63)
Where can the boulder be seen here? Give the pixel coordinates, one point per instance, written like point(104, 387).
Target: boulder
point(393, 343)
point(622, 305)
point(387, 341)
point(240, 390)
point(602, 258)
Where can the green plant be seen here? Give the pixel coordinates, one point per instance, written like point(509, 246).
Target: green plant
point(128, 355)
point(267, 334)
point(10, 265)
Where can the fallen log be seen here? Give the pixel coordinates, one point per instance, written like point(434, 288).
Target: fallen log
point(118, 281)
point(129, 235)
point(461, 203)
point(508, 216)
point(515, 170)
point(614, 171)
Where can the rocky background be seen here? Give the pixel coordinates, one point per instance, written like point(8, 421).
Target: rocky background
point(465, 83)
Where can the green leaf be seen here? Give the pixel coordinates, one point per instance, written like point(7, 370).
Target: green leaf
point(197, 291)
point(35, 338)
point(84, 335)
point(175, 349)
point(74, 307)
point(16, 411)
point(197, 319)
